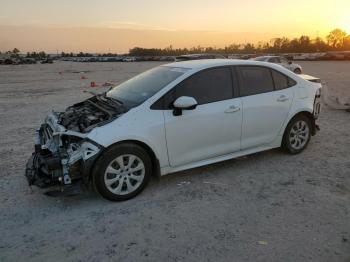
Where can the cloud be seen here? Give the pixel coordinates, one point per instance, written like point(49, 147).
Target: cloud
point(131, 25)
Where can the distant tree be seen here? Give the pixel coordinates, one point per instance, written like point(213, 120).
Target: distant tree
point(336, 38)
point(346, 44)
point(15, 51)
point(305, 43)
point(232, 48)
point(319, 44)
point(42, 54)
point(248, 48)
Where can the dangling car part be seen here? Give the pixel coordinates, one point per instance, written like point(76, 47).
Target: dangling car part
point(62, 150)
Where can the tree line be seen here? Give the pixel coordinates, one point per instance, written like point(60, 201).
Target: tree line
point(15, 53)
point(336, 40)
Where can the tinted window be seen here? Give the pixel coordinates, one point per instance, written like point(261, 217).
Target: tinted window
point(255, 80)
point(261, 58)
point(284, 60)
point(206, 87)
point(274, 60)
point(281, 81)
point(291, 82)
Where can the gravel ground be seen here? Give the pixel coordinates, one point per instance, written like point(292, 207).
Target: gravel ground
point(268, 206)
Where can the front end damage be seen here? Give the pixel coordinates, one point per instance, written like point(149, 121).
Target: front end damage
point(61, 157)
point(63, 152)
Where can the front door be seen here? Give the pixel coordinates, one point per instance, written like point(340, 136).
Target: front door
point(213, 128)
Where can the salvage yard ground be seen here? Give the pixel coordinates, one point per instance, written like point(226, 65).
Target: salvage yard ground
point(268, 206)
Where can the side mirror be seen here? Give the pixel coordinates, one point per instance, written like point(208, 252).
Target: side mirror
point(184, 103)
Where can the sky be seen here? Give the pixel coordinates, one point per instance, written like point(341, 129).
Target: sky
point(118, 25)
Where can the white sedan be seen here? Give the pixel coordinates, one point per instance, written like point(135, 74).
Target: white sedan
point(281, 61)
point(171, 118)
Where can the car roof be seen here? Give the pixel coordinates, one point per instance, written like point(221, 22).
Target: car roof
point(201, 54)
point(208, 63)
point(268, 56)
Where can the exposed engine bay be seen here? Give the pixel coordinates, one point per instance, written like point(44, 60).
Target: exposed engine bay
point(63, 154)
point(86, 115)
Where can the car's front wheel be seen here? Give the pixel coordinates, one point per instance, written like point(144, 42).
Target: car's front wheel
point(297, 134)
point(122, 172)
point(297, 71)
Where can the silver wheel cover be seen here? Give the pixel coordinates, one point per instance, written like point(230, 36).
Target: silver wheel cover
point(124, 174)
point(299, 135)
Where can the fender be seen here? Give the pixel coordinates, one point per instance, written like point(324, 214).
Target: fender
point(300, 110)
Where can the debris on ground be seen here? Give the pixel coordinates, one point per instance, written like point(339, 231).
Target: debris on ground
point(263, 242)
point(93, 84)
point(184, 183)
point(107, 84)
point(215, 183)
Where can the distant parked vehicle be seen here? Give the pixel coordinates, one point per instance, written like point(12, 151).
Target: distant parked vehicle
point(281, 61)
point(129, 59)
point(28, 61)
point(8, 61)
point(47, 61)
point(198, 56)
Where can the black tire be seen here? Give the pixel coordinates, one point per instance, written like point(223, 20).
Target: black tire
point(98, 173)
point(287, 142)
point(297, 71)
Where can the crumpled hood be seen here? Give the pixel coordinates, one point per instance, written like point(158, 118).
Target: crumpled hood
point(86, 115)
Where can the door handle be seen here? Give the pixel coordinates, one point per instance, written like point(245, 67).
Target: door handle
point(232, 109)
point(282, 98)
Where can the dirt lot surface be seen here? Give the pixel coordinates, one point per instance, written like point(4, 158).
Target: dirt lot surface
point(268, 206)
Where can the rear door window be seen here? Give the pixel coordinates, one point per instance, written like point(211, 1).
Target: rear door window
point(255, 80)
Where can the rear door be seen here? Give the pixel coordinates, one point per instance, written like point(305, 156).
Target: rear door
point(266, 101)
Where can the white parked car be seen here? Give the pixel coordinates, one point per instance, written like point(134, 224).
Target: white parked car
point(280, 60)
point(171, 118)
point(129, 59)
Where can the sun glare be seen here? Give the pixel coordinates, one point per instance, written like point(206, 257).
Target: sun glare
point(345, 24)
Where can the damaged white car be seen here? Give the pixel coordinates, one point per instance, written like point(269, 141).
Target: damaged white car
point(171, 118)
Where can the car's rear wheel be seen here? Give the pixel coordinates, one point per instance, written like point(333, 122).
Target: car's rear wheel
point(297, 71)
point(122, 172)
point(297, 134)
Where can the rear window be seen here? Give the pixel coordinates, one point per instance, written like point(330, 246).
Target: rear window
point(255, 80)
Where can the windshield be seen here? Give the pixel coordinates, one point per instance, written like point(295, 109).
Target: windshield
point(141, 87)
point(261, 58)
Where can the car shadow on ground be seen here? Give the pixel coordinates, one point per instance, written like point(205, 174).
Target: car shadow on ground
point(209, 174)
